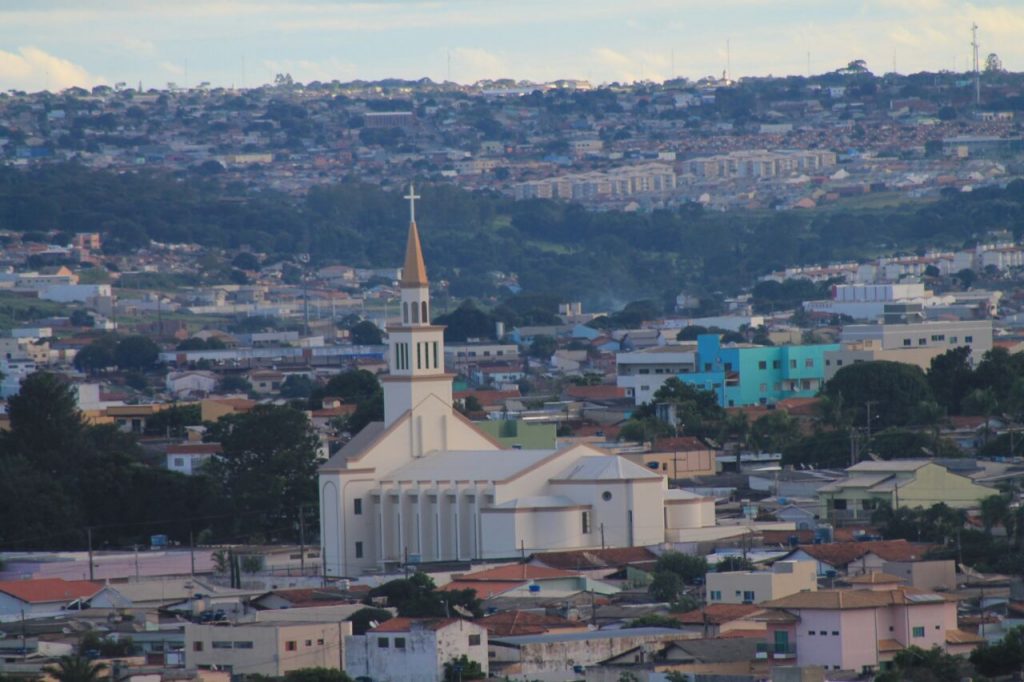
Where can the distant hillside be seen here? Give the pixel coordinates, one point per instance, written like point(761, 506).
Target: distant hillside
point(563, 249)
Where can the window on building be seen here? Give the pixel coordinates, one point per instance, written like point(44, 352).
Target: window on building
point(835, 633)
point(938, 337)
point(606, 495)
point(436, 362)
point(423, 312)
point(290, 645)
point(810, 633)
point(919, 631)
point(763, 364)
point(968, 339)
point(839, 504)
point(792, 364)
point(197, 646)
point(415, 314)
point(419, 356)
point(243, 645)
point(383, 643)
point(748, 596)
point(399, 642)
point(823, 633)
point(309, 642)
point(763, 388)
point(839, 363)
point(728, 367)
point(907, 342)
point(320, 642)
point(405, 313)
point(776, 364)
point(359, 550)
point(808, 362)
point(585, 522)
point(474, 640)
point(644, 370)
point(179, 461)
point(953, 339)
point(828, 363)
point(922, 341)
point(357, 506)
point(220, 645)
point(716, 595)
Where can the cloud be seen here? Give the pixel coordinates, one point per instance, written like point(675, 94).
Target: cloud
point(139, 47)
point(30, 68)
point(307, 70)
point(471, 64)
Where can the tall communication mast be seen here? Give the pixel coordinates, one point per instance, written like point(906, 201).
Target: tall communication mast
point(977, 70)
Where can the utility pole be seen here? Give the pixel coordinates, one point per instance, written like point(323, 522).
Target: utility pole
point(191, 553)
point(302, 540)
point(88, 534)
point(868, 405)
point(602, 536)
point(136, 548)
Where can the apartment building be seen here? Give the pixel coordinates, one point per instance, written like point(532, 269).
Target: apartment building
point(641, 373)
point(266, 648)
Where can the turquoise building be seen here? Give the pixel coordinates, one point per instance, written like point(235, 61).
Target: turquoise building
point(744, 374)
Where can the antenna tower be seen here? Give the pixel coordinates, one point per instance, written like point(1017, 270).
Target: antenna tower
point(977, 71)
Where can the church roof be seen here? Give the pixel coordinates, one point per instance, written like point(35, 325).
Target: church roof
point(468, 465)
point(605, 468)
point(414, 272)
point(356, 446)
point(539, 502)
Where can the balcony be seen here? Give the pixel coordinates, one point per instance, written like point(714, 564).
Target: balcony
point(775, 652)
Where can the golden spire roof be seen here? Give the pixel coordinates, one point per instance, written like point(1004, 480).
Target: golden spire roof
point(414, 273)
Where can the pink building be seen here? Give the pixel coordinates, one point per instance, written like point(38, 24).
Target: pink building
point(862, 629)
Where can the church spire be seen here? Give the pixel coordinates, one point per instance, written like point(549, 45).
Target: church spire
point(414, 273)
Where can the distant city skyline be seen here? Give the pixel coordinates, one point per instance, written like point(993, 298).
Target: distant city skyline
point(60, 43)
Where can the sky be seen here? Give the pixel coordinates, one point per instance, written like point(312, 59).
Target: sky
point(55, 44)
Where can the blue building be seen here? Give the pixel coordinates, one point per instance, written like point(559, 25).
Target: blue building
point(744, 374)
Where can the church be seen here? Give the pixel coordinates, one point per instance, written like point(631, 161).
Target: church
point(425, 485)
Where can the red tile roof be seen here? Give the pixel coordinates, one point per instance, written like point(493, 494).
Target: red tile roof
point(599, 392)
point(485, 589)
point(516, 572)
point(589, 559)
point(405, 624)
point(45, 590)
point(511, 623)
point(678, 444)
point(839, 554)
point(301, 596)
point(716, 614)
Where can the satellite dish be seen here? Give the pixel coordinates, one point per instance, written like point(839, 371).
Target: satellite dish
point(373, 624)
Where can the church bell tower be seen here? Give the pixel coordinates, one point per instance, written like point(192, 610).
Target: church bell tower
point(415, 346)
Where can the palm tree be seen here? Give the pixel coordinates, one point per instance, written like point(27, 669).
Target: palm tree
point(75, 669)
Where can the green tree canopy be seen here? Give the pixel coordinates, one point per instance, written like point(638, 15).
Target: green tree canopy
point(136, 352)
point(687, 566)
point(891, 388)
point(366, 333)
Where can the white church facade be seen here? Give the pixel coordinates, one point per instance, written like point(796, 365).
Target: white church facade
point(426, 485)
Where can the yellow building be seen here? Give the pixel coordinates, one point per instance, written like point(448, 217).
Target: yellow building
point(899, 483)
point(752, 587)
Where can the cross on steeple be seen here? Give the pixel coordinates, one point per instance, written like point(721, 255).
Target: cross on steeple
point(412, 197)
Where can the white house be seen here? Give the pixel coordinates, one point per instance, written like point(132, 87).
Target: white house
point(190, 382)
point(43, 597)
point(188, 458)
point(425, 484)
point(414, 650)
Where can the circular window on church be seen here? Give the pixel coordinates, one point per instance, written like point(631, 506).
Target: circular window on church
point(606, 495)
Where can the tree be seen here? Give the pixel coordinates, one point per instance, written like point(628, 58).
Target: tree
point(543, 347)
point(774, 431)
point(418, 597)
point(734, 563)
point(993, 64)
point(982, 402)
point(467, 322)
point(45, 421)
point(75, 669)
point(1002, 658)
point(891, 388)
point(296, 386)
point(463, 668)
point(686, 566)
point(995, 511)
point(354, 386)
point(316, 675)
point(666, 586)
point(97, 356)
point(267, 469)
point(245, 261)
point(234, 383)
point(363, 619)
point(366, 333)
point(915, 664)
point(136, 352)
point(81, 318)
point(950, 377)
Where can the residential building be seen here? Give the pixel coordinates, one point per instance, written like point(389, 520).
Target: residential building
point(679, 457)
point(903, 336)
point(461, 356)
point(561, 656)
point(43, 597)
point(857, 558)
point(414, 649)
point(426, 483)
point(191, 383)
point(188, 458)
point(897, 483)
point(641, 373)
point(752, 587)
point(745, 374)
point(863, 629)
point(939, 574)
point(266, 648)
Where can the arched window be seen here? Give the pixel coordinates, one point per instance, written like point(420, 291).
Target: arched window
point(423, 316)
point(405, 313)
point(415, 313)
